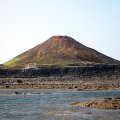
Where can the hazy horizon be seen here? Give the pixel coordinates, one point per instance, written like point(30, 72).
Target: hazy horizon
point(27, 23)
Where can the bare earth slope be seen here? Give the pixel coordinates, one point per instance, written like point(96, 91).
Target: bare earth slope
point(60, 50)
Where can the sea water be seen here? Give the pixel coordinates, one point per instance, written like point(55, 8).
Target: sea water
point(50, 104)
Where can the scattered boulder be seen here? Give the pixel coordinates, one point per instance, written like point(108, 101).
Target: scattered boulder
point(107, 98)
point(70, 88)
point(16, 93)
point(88, 113)
point(116, 98)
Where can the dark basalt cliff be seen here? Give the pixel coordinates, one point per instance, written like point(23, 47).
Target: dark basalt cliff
point(101, 71)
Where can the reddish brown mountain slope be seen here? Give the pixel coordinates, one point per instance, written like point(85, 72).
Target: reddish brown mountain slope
point(60, 50)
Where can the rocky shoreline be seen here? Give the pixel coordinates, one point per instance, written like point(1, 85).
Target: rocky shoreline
point(41, 83)
point(105, 103)
point(91, 77)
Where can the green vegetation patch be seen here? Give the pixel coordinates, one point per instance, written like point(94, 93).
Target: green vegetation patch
point(11, 63)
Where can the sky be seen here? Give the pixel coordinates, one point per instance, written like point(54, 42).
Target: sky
point(27, 23)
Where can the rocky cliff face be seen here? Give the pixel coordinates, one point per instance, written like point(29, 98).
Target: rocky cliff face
point(60, 50)
point(97, 71)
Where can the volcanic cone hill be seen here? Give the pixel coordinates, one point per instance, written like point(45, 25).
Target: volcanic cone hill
point(60, 50)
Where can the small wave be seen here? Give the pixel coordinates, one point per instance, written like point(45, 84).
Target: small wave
point(65, 113)
point(33, 93)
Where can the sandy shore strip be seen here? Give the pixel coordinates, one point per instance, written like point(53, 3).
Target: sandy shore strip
point(55, 85)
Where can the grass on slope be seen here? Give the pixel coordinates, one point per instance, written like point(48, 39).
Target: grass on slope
point(11, 63)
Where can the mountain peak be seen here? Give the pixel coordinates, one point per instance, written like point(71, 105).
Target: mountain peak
point(57, 39)
point(62, 42)
point(60, 37)
point(60, 50)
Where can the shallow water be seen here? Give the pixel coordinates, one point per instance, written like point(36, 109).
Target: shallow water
point(45, 104)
